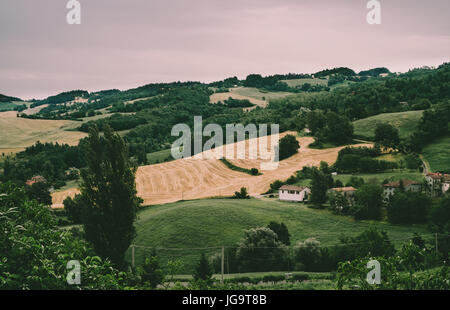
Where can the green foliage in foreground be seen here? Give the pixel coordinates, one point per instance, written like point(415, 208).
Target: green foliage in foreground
point(34, 253)
point(407, 270)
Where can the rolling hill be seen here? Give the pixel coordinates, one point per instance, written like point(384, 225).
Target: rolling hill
point(220, 222)
point(18, 133)
point(193, 178)
point(437, 154)
point(405, 122)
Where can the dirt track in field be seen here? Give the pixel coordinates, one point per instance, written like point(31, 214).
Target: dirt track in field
point(192, 178)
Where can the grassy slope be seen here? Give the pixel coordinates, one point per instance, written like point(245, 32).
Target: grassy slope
point(217, 222)
point(406, 122)
point(299, 82)
point(258, 94)
point(437, 154)
point(395, 175)
point(9, 106)
point(159, 156)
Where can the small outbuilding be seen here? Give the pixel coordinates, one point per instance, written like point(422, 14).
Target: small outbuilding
point(294, 193)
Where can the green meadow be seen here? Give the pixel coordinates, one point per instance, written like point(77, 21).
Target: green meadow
point(182, 230)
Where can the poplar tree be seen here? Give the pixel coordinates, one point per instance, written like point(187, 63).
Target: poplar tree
point(110, 201)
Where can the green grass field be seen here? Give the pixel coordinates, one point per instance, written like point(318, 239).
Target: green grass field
point(395, 175)
point(406, 122)
point(300, 82)
point(220, 222)
point(259, 94)
point(437, 154)
point(159, 157)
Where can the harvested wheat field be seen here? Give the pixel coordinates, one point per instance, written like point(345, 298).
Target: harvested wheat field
point(193, 178)
point(59, 196)
point(18, 133)
point(215, 98)
point(201, 178)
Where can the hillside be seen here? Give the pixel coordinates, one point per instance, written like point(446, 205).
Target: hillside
point(18, 133)
point(220, 222)
point(194, 178)
point(4, 98)
point(437, 154)
point(405, 122)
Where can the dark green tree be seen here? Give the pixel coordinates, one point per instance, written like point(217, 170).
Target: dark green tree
point(281, 230)
point(40, 192)
point(288, 146)
point(439, 222)
point(387, 136)
point(339, 129)
point(203, 270)
point(152, 273)
point(316, 121)
point(368, 202)
point(261, 250)
point(408, 208)
point(109, 192)
point(319, 186)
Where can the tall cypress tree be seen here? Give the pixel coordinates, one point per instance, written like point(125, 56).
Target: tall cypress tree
point(110, 201)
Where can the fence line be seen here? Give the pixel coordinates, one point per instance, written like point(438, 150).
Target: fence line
point(428, 237)
point(293, 246)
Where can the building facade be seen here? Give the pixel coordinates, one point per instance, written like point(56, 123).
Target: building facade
point(294, 193)
point(389, 189)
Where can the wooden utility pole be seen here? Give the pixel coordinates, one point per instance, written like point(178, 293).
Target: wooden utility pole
point(223, 260)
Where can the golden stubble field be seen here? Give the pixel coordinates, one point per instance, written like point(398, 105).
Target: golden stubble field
point(17, 133)
point(192, 178)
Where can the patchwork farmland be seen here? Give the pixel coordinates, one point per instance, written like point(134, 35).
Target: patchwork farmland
point(186, 179)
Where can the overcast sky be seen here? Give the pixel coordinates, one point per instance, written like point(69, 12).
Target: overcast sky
point(128, 43)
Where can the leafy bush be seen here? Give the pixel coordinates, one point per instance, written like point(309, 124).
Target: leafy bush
point(288, 146)
point(271, 278)
point(260, 250)
point(152, 273)
point(299, 277)
point(242, 194)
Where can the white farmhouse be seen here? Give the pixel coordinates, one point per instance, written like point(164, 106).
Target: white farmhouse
point(294, 193)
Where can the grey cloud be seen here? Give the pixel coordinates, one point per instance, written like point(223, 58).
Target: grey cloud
point(122, 44)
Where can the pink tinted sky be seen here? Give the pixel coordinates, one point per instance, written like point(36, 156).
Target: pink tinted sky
point(125, 44)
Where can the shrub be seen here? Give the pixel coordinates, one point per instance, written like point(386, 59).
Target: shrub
point(203, 270)
point(260, 250)
point(254, 171)
point(271, 278)
point(242, 194)
point(152, 273)
point(299, 277)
